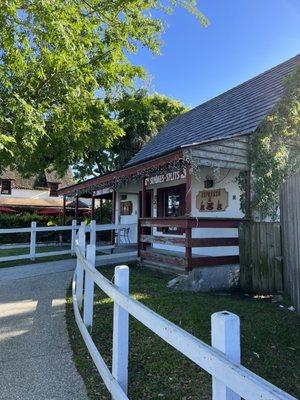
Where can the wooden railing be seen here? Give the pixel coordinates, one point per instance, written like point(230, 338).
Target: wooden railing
point(186, 240)
point(222, 360)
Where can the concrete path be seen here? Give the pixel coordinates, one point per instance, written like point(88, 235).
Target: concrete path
point(35, 354)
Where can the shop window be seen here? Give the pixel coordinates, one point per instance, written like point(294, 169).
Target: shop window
point(6, 186)
point(171, 203)
point(53, 192)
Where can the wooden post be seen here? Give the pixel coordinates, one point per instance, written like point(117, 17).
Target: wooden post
point(248, 211)
point(93, 232)
point(93, 208)
point(88, 305)
point(225, 336)
point(79, 267)
point(101, 209)
point(32, 240)
point(188, 212)
point(188, 191)
point(64, 210)
point(120, 331)
point(76, 207)
point(144, 212)
point(73, 236)
point(113, 216)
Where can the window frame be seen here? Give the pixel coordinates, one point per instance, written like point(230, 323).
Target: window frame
point(9, 188)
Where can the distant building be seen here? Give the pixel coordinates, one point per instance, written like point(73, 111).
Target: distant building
point(39, 193)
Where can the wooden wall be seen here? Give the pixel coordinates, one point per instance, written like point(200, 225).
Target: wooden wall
point(229, 153)
point(260, 257)
point(290, 223)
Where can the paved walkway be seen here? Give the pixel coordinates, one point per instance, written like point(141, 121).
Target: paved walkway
point(35, 354)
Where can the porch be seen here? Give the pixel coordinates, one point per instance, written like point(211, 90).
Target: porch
point(196, 246)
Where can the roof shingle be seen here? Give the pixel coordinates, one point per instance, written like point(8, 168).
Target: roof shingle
point(237, 111)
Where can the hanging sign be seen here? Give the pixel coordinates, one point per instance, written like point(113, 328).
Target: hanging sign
point(163, 178)
point(212, 200)
point(100, 192)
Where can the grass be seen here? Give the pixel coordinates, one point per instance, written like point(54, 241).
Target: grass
point(270, 339)
point(25, 250)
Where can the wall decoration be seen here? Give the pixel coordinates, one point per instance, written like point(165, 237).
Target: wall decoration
point(212, 200)
point(126, 207)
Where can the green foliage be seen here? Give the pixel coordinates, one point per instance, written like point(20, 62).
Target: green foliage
point(142, 116)
point(8, 221)
point(139, 116)
point(59, 60)
point(275, 150)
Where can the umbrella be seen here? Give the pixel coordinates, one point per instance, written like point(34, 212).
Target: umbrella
point(7, 210)
point(50, 211)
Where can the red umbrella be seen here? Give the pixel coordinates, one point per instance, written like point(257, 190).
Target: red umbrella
point(7, 210)
point(50, 211)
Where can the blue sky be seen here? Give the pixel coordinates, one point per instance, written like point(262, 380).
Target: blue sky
point(244, 38)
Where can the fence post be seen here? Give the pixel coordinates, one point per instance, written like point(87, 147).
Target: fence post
point(32, 240)
point(225, 336)
point(120, 331)
point(73, 236)
point(93, 232)
point(79, 267)
point(88, 304)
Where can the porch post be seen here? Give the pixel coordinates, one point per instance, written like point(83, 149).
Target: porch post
point(141, 230)
point(76, 207)
point(64, 210)
point(188, 212)
point(101, 206)
point(248, 211)
point(93, 207)
point(113, 215)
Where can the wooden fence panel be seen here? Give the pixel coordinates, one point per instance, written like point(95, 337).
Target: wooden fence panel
point(260, 257)
point(290, 224)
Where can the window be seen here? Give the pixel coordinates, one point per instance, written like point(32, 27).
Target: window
point(6, 186)
point(171, 203)
point(53, 189)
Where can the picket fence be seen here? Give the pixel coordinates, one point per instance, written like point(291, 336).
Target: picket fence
point(230, 380)
point(92, 229)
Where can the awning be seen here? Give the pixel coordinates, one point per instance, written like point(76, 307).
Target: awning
point(50, 211)
point(7, 210)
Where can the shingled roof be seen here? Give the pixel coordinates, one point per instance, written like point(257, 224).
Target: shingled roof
point(238, 111)
point(37, 181)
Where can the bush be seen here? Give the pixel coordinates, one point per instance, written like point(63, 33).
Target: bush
point(9, 221)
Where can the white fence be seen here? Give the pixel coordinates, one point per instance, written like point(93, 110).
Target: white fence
point(93, 228)
point(231, 381)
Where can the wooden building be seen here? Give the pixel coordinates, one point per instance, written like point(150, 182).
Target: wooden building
point(181, 188)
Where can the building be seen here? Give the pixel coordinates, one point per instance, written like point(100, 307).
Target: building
point(181, 188)
point(39, 193)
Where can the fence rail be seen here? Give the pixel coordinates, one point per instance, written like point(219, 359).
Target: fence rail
point(92, 229)
point(221, 361)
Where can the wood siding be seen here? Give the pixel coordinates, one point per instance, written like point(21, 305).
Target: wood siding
point(230, 153)
point(290, 224)
point(260, 257)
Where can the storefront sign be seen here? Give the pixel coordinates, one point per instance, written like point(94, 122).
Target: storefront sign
point(212, 200)
point(163, 178)
point(100, 192)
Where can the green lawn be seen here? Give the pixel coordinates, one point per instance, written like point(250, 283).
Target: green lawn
point(25, 250)
point(270, 339)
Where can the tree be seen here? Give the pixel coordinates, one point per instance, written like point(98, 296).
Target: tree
point(139, 116)
point(55, 59)
point(142, 116)
point(275, 149)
